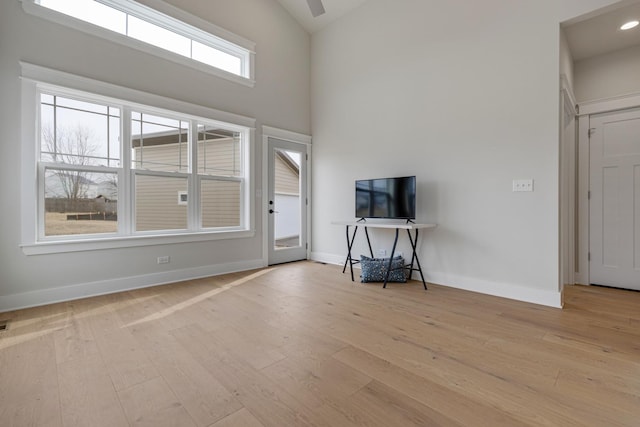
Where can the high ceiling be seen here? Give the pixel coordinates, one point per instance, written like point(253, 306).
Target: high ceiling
point(601, 34)
point(589, 36)
point(299, 9)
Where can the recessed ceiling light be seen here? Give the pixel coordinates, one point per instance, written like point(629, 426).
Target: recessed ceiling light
point(629, 25)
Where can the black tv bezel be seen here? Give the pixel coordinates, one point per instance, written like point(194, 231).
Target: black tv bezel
point(415, 197)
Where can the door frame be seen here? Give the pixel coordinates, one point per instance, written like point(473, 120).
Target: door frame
point(289, 136)
point(586, 109)
point(567, 185)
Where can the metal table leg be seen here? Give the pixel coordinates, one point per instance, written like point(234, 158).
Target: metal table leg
point(414, 256)
point(366, 232)
point(349, 259)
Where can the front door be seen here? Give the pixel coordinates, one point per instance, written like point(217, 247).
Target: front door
point(614, 206)
point(287, 201)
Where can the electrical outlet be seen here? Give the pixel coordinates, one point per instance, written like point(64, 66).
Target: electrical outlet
point(382, 252)
point(522, 185)
point(163, 260)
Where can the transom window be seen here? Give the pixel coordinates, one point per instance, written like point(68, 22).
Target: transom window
point(151, 27)
point(107, 168)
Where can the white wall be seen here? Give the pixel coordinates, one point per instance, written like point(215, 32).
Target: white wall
point(566, 60)
point(608, 75)
point(469, 94)
point(281, 98)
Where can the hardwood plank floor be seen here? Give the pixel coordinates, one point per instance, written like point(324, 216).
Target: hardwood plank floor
point(302, 345)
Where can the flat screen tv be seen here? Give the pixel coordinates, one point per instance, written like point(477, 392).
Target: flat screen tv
point(393, 198)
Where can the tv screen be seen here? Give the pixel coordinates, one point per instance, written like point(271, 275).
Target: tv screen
point(386, 198)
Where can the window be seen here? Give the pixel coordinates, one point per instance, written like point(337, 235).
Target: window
point(108, 168)
point(142, 27)
point(182, 198)
point(79, 166)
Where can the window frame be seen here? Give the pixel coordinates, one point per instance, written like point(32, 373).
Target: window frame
point(173, 19)
point(36, 80)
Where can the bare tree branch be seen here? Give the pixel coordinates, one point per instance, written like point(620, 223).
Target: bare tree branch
point(72, 146)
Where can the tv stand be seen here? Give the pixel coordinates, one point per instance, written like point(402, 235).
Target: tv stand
point(413, 239)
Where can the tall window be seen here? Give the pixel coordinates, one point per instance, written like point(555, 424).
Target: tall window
point(80, 164)
point(137, 22)
point(107, 168)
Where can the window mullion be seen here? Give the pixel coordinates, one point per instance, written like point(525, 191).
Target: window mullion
point(248, 165)
point(40, 204)
point(247, 187)
point(194, 208)
point(126, 191)
point(55, 131)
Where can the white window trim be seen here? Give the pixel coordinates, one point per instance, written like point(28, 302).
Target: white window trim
point(35, 78)
point(199, 29)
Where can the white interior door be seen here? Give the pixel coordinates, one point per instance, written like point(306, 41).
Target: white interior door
point(614, 207)
point(287, 201)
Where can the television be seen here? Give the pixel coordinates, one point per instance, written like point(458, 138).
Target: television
point(391, 198)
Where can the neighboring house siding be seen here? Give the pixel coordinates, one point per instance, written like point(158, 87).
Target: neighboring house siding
point(157, 205)
point(215, 157)
point(219, 157)
point(157, 198)
point(287, 179)
point(220, 203)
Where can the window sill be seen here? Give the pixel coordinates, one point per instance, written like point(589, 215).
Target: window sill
point(42, 248)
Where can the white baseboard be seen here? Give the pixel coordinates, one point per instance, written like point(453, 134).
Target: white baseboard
point(72, 292)
point(504, 290)
point(328, 258)
point(103, 287)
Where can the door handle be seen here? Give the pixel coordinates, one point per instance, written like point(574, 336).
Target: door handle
point(272, 211)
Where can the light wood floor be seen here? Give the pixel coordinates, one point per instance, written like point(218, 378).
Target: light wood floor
point(300, 344)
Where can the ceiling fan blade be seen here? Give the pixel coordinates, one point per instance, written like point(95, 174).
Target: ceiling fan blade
point(316, 7)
